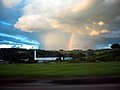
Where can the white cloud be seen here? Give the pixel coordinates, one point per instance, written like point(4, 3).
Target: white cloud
point(101, 23)
point(32, 23)
point(5, 46)
point(39, 14)
point(10, 3)
point(96, 33)
point(82, 5)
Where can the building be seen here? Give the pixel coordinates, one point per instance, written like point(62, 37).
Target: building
point(50, 58)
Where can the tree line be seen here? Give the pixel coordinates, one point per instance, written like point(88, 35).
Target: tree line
point(17, 55)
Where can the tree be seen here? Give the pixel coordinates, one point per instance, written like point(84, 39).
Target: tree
point(115, 46)
point(115, 51)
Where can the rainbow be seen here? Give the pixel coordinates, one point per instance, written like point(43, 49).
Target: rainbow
point(70, 41)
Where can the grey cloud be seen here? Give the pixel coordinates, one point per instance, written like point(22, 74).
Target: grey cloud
point(112, 34)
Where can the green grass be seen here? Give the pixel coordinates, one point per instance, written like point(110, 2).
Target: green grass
point(60, 69)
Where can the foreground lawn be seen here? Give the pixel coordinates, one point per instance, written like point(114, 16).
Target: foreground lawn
point(61, 69)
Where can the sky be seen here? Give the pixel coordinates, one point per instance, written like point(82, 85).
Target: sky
point(59, 24)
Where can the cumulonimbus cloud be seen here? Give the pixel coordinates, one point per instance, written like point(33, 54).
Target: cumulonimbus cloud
point(88, 18)
point(71, 16)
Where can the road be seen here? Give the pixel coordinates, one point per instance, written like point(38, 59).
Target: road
point(84, 83)
point(62, 87)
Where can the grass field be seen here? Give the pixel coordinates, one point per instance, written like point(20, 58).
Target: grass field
point(61, 69)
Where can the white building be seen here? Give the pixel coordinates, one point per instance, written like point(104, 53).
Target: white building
point(41, 59)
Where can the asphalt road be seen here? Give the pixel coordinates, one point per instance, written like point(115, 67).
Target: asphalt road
point(84, 83)
point(62, 87)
